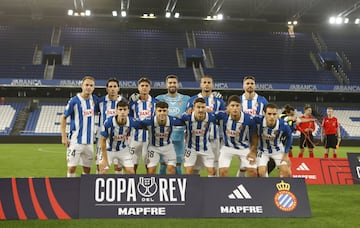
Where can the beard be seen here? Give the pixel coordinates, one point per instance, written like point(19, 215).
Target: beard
point(172, 90)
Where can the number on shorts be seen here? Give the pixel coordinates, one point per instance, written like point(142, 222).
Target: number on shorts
point(132, 150)
point(151, 154)
point(71, 152)
point(187, 153)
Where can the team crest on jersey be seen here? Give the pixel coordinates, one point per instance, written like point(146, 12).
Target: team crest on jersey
point(284, 199)
point(180, 103)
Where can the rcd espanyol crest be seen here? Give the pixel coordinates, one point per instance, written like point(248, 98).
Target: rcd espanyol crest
point(284, 199)
point(147, 186)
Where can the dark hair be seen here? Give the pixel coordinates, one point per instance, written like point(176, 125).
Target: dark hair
point(249, 77)
point(161, 104)
point(144, 79)
point(289, 109)
point(122, 103)
point(171, 76)
point(112, 80)
point(270, 105)
point(199, 100)
point(307, 106)
point(234, 98)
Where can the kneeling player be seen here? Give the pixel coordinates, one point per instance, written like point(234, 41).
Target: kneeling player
point(114, 140)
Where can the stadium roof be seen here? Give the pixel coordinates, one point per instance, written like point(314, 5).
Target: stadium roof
point(274, 11)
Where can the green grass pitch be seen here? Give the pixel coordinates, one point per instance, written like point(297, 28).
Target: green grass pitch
point(331, 205)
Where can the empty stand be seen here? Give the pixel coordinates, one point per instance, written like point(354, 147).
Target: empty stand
point(270, 57)
point(349, 44)
point(45, 120)
point(17, 44)
point(8, 114)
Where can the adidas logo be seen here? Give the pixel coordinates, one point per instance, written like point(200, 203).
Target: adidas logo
point(303, 167)
point(240, 193)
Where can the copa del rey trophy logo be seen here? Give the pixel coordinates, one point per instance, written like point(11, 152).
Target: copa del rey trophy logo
point(147, 186)
point(284, 199)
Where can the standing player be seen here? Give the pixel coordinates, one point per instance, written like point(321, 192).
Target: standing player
point(213, 105)
point(141, 109)
point(330, 132)
point(288, 115)
point(107, 108)
point(80, 141)
point(177, 106)
point(306, 128)
point(160, 127)
point(253, 104)
point(198, 151)
point(272, 131)
point(114, 140)
point(240, 138)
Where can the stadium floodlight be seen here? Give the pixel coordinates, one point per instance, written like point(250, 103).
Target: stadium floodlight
point(70, 12)
point(123, 13)
point(289, 22)
point(76, 14)
point(332, 20)
point(208, 18)
point(87, 13)
point(177, 15)
point(339, 20)
point(151, 15)
point(114, 13)
point(167, 14)
point(220, 16)
point(145, 15)
point(357, 21)
point(346, 20)
point(295, 22)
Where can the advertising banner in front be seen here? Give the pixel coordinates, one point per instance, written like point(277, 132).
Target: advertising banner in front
point(114, 196)
point(247, 197)
point(156, 196)
point(322, 170)
point(139, 196)
point(354, 161)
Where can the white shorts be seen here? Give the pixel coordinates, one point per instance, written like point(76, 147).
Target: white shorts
point(202, 158)
point(215, 147)
point(227, 153)
point(80, 154)
point(139, 149)
point(167, 152)
point(98, 157)
point(121, 157)
point(263, 158)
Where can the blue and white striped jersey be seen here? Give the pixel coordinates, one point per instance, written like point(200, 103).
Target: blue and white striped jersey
point(160, 135)
point(117, 135)
point(270, 138)
point(237, 134)
point(197, 137)
point(82, 119)
point(141, 110)
point(107, 108)
point(177, 106)
point(255, 106)
point(213, 104)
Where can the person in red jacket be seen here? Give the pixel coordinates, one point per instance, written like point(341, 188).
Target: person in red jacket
point(306, 128)
point(330, 132)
